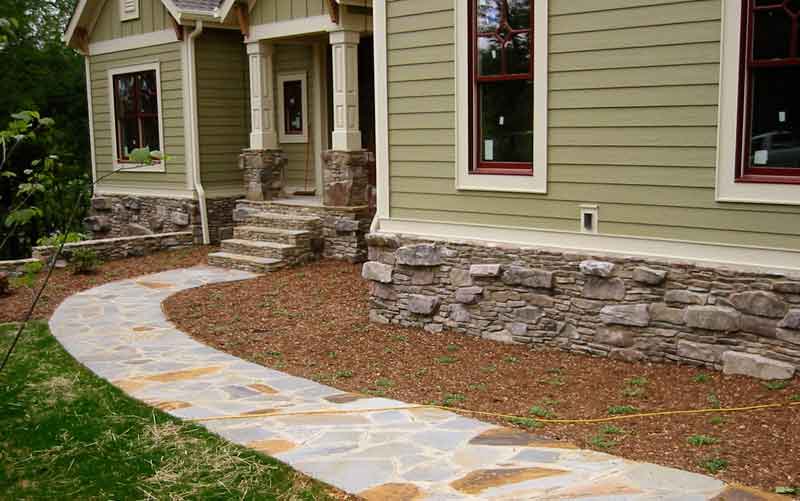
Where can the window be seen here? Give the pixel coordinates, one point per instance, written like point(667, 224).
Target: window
point(136, 113)
point(769, 107)
point(501, 95)
point(293, 109)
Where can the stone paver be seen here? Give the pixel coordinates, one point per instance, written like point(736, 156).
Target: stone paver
point(119, 331)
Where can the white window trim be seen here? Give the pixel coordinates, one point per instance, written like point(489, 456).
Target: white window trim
point(124, 16)
point(283, 136)
point(131, 167)
point(487, 182)
point(727, 189)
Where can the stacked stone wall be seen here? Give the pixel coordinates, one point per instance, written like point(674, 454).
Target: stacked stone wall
point(108, 249)
point(628, 308)
point(113, 216)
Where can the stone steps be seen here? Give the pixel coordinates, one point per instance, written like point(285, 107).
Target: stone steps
point(245, 263)
point(280, 221)
point(255, 248)
point(299, 238)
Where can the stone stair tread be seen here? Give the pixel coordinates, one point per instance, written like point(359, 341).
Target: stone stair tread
point(281, 231)
point(258, 243)
point(285, 217)
point(241, 257)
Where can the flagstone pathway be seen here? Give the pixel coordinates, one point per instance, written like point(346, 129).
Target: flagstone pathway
point(388, 450)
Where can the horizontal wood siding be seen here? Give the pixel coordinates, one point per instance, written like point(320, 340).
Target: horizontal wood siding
point(271, 11)
point(223, 108)
point(301, 157)
point(169, 58)
point(633, 91)
point(153, 16)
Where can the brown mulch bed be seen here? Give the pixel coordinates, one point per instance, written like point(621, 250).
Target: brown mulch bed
point(312, 322)
point(64, 283)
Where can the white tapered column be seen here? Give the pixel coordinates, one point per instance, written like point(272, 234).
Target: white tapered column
point(346, 132)
point(263, 132)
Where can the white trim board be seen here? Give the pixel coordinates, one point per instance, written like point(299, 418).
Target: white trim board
point(110, 189)
point(381, 110)
point(133, 42)
point(727, 189)
point(161, 166)
point(755, 258)
point(93, 153)
point(483, 182)
point(294, 27)
point(283, 136)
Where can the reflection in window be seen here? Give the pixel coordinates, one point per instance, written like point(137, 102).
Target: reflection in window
point(293, 107)
point(501, 65)
point(136, 112)
point(771, 100)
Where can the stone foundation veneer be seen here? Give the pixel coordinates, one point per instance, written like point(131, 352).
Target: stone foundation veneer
point(343, 229)
point(122, 215)
point(345, 177)
point(742, 322)
point(118, 248)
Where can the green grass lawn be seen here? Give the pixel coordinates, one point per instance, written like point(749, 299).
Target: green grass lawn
point(66, 434)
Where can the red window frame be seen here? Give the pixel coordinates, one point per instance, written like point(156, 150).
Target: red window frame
point(478, 166)
point(745, 172)
point(136, 114)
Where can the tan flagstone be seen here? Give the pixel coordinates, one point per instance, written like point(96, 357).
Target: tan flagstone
point(129, 385)
point(168, 377)
point(262, 388)
point(272, 446)
point(520, 438)
point(610, 487)
point(168, 405)
point(480, 480)
point(155, 285)
point(143, 328)
point(392, 492)
point(741, 493)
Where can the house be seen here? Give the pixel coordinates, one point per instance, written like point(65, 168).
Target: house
point(613, 177)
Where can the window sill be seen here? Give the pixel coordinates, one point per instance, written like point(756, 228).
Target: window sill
point(519, 182)
point(126, 166)
point(765, 179)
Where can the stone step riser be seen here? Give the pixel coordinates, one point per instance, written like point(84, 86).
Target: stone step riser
point(248, 250)
point(244, 233)
point(277, 221)
point(234, 264)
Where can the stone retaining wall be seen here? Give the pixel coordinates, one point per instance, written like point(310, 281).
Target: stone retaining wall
point(15, 266)
point(113, 216)
point(344, 229)
point(623, 307)
point(117, 248)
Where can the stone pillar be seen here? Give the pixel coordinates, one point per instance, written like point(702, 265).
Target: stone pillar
point(263, 133)
point(263, 173)
point(345, 178)
point(346, 133)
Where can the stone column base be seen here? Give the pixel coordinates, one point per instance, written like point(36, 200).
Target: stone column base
point(345, 176)
point(263, 173)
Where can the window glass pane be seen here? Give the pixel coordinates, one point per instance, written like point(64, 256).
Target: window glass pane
point(771, 34)
point(148, 101)
point(128, 136)
point(489, 13)
point(519, 14)
point(518, 54)
point(489, 56)
point(775, 112)
point(293, 107)
point(124, 95)
point(150, 136)
point(506, 121)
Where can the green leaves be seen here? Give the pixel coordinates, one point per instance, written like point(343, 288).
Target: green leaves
point(143, 156)
point(22, 216)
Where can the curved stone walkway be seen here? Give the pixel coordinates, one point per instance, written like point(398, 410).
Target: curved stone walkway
point(119, 331)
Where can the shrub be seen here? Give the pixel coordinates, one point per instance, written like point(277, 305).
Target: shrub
point(84, 261)
point(29, 273)
point(58, 238)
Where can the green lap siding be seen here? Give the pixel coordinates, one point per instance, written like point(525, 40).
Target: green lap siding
point(222, 108)
point(153, 16)
point(168, 56)
point(633, 101)
point(271, 11)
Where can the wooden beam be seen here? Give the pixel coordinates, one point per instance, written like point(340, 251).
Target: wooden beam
point(333, 7)
point(243, 15)
point(82, 38)
point(177, 27)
